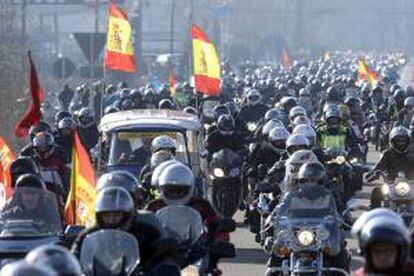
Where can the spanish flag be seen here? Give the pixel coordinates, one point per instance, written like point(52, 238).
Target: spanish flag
point(285, 58)
point(80, 204)
point(366, 74)
point(6, 158)
point(206, 63)
point(119, 53)
point(171, 80)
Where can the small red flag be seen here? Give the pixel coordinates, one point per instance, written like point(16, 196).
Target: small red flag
point(285, 58)
point(33, 116)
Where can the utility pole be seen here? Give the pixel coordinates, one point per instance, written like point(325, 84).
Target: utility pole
point(172, 29)
point(190, 42)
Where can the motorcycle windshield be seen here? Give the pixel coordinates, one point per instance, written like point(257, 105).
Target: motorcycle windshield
point(182, 223)
point(305, 208)
point(226, 158)
point(109, 252)
point(30, 212)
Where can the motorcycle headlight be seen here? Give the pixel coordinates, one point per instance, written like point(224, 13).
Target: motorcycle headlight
point(385, 190)
point(252, 127)
point(402, 188)
point(306, 237)
point(234, 172)
point(340, 160)
point(217, 172)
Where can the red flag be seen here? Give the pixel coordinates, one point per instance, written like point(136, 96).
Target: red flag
point(285, 58)
point(33, 116)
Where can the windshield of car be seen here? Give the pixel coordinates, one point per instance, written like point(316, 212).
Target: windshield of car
point(135, 147)
point(30, 212)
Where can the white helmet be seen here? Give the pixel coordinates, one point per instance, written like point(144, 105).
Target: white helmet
point(301, 120)
point(295, 142)
point(163, 142)
point(176, 184)
point(253, 97)
point(277, 139)
point(294, 162)
point(270, 125)
point(307, 131)
point(296, 111)
point(304, 92)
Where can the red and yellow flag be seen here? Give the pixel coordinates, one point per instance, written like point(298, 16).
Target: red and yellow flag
point(366, 74)
point(6, 158)
point(119, 53)
point(80, 205)
point(171, 80)
point(206, 63)
point(285, 58)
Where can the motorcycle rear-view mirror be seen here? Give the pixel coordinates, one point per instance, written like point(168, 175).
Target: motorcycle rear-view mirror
point(227, 225)
point(73, 230)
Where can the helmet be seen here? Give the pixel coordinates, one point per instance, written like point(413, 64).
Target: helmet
point(56, 257)
point(159, 169)
point(23, 268)
point(42, 126)
point(160, 157)
point(334, 94)
point(346, 113)
point(122, 85)
point(62, 114)
point(409, 103)
point(166, 104)
point(377, 212)
point(190, 110)
point(296, 142)
point(219, 110)
point(295, 162)
point(30, 180)
point(399, 96)
point(272, 114)
point(163, 142)
point(253, 97)
point(22, 165)
point(301, 120)
point(136, 96)
point(85, 117)
point(304, 92)
point(388, 235)
point(114, 200)
point(176, 184)
point(225, 124)
point(307, 131)
point(121, 179)
point(296, 111)
point(43, 144)
point(333, 117)
point(313, 173)
point(232, 108)
point(124, 94)
point(127, 104)
point(111, 109)
point(277, 138)
point(400, 139)
point(288, 103)
point(66, 126)
point(271, 125)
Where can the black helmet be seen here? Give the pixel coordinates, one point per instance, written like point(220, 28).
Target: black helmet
point(288, 103)
point(176, 184)
point(122, 179)
point(23, 268)
point(85, 117)
point(30, 181)
point(66, 126)
point(40, 127)
point(122, 85)
point(219, 110)
point(114, 200)
point(225, 124)
point(22, 165)
point(190, 110)
point(127, 104)
point(136, 96)
point(62, 114)
point(334, 94)
point(399, 96)
point(400, 139)
point(56, 257)
point(43, 144)
point(313, 172)
point(166, 104)
point(384, 234)
point(124, 94)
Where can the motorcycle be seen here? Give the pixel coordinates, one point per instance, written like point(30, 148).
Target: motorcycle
point(306, 243)
point(29, 219)
point(397, 195)
point(225, 182)
point(109, 252)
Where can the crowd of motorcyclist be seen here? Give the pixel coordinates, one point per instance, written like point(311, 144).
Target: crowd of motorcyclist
point(303, 137)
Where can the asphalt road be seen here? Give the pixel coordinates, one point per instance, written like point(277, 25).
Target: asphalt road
point(251, 259)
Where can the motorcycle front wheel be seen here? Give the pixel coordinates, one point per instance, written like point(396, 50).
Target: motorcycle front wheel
point(226, 198)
